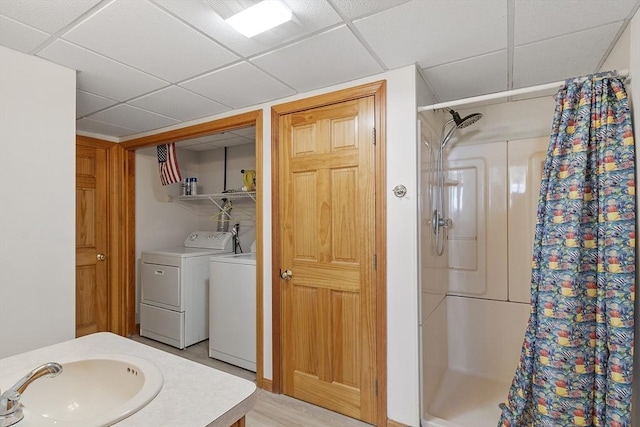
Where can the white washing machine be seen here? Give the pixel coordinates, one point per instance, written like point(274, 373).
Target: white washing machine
point(174, 305)
point(232, 315)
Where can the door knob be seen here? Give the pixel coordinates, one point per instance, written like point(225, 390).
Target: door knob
point(286, 275)
point(101, 257)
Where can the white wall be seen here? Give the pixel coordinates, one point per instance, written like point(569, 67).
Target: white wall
point(403, 371)
point(211, 174)
point(159, 222)
point(402, 261)
point(37, 206)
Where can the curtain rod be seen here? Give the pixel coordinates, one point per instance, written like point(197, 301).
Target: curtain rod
point(503, 94)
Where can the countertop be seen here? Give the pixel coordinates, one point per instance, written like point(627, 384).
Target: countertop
point(192, 394)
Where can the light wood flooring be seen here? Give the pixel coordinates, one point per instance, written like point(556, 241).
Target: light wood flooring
point(271, 410)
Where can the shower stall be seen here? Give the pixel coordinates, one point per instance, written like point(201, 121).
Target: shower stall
point(478, 211)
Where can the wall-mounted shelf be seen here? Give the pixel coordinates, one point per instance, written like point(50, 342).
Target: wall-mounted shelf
point(232, 195)
point(213, 198)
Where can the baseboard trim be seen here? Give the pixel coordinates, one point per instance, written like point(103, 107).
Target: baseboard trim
point(266, 385)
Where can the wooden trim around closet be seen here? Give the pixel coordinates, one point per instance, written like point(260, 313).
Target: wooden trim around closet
point(251, 118)
point(221, 125)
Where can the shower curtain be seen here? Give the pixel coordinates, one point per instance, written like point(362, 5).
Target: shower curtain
point(576, 362)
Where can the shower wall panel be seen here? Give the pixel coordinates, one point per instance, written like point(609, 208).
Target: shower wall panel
point(526, 165)
point(485, 336)
point(435, 357)
point(477, 238)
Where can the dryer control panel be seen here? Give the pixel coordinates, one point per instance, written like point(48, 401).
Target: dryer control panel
point(209, 240)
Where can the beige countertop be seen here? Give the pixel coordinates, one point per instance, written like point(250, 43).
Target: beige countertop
point(192, 394)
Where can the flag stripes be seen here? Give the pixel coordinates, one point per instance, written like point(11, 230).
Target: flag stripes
point(168, 164)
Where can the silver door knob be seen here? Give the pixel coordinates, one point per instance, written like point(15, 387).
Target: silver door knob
point(101, 257)
point(400, 191)
point(286, 275)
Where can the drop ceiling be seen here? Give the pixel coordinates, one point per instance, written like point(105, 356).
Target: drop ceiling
point(145, 65)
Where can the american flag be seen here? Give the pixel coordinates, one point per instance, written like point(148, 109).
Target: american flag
point(168, 163)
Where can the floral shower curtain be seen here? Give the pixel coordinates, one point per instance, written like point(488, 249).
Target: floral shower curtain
point(576, 362)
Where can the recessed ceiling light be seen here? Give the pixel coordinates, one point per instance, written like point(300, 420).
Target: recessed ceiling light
point(260, 17)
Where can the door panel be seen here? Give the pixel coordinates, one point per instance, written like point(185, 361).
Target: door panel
point(327, 217)
point(91, 240)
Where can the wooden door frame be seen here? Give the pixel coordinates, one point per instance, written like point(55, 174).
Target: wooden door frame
point(117, 297)
point(127, 200)
point(378, 91)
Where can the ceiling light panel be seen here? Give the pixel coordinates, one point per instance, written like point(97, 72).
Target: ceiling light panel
point(260, 17)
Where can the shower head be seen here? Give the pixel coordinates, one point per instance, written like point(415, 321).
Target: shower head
point(467, 121)
point(459, 123)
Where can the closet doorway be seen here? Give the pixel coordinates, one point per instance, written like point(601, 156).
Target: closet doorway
point(234, 123)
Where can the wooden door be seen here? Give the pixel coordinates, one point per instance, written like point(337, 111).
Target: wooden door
point(327, 228)
point(92, 262)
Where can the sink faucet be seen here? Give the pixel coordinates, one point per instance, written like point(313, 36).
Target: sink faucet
point(10, 409)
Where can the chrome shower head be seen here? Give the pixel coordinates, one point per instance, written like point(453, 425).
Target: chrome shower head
point(467, 121)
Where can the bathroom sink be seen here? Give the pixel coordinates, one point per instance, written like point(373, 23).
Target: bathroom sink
point(94, 391)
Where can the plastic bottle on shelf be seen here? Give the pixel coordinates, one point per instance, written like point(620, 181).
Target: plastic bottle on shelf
point(187, 187)
point(194, 186)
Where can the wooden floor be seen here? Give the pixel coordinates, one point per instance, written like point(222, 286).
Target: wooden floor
point(271, 410)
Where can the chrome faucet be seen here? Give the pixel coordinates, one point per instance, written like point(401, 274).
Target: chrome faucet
point(10, 408)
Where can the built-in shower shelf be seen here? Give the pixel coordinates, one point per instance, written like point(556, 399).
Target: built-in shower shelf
point(451, 183)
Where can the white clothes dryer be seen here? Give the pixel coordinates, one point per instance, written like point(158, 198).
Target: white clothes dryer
point(174, 305)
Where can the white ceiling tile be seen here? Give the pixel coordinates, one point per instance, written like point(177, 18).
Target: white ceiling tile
point(329, 58)
point(248, 132)
point(475, 76)
point(221, 139)
point(127, 45)
point(133, 118)
point(357, 8)
point(540, 20)
point(179, 103)
point(433, 32)
point(209, 17)
point(101, 128)
point(218, 140)
point(238, 86)
point(49, 16)
point(145, 37)
point(233, 142)
point(562, 57)
point(87, 103)
point(199, 147)
point(100, 75)
point(18, 36)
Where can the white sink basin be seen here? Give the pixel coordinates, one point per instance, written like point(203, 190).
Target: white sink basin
point(95, 391)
